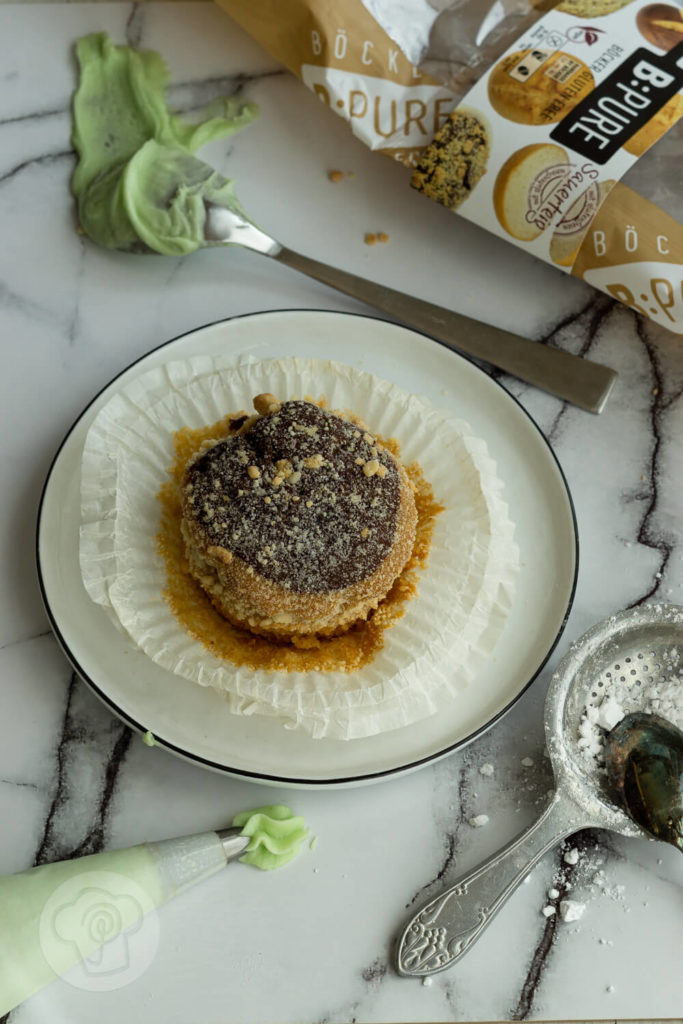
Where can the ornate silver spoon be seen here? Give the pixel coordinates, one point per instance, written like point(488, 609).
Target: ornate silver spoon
point(637, 646)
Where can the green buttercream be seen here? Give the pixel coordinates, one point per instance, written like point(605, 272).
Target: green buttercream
point(138, 183)
point(276, 835)
point(149, 738)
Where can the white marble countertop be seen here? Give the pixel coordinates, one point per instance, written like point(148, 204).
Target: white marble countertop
point(314, 943)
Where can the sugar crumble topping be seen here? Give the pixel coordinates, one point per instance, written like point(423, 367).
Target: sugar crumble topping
point(302, 496)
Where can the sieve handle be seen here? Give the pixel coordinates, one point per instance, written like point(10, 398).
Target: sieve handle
point(446, 927)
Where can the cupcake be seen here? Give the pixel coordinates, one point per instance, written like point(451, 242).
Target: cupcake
point(298, 522)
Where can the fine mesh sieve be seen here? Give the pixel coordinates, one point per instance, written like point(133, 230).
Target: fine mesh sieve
point(638, 651)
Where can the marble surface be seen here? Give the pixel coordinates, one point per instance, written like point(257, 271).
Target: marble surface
point(314, 943)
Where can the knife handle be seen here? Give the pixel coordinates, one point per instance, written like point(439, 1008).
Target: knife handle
point(576, 380)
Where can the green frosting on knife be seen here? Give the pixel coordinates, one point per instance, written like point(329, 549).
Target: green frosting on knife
point(138, 183)
point(276, 835)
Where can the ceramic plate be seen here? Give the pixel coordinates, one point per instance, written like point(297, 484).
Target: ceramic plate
point(193, 721)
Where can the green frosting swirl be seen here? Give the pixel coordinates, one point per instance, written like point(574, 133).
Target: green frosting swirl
point(277, 835)
point(138, 183)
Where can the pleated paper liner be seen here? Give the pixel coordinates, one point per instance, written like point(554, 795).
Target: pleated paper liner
point(430, 653)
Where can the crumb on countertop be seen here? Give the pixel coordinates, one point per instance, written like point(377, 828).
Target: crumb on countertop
point(372, 237)
point(570, 910)
point(478, 821)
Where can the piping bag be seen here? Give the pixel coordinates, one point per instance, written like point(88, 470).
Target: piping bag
point(84, 911)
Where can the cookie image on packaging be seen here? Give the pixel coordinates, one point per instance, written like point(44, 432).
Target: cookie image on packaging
point(591, 8)
point(571, 231)
point(661, 25)
point(455, 160)
point(665, 118)
point(526, 182)
point(538, 87)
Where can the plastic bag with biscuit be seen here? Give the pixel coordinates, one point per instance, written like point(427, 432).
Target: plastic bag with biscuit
point(398, 72)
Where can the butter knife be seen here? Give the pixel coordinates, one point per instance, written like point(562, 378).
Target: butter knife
point(567, 376)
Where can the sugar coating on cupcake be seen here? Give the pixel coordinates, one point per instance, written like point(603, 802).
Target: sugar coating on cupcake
point(298, 522)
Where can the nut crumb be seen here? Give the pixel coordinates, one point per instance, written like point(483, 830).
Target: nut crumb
point(382, 236)
point(370, 238)
point(309, 504)
point(382, 471)
point(254, 472)
point(266, 403)
point(365, 533)
point(336, 176)
point(314, 461)
point(267, 500)
point(371, 467)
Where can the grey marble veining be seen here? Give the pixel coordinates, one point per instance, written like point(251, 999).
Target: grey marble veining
point(314, 945)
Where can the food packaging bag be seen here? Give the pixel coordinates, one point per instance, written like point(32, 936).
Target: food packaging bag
point(557, 126)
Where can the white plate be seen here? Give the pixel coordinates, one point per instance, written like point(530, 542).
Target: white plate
point(193, 721)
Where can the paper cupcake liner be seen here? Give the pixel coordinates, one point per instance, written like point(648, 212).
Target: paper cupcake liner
point(429, 654)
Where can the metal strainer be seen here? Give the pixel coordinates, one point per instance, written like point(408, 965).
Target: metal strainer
point(638, 647)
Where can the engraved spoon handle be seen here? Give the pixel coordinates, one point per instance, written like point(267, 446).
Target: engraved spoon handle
point(446, 927)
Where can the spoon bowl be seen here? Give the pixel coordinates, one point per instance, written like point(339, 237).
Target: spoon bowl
point(644, 765)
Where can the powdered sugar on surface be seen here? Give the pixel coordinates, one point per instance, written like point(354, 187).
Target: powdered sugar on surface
point(571, 910)
point(478, 821)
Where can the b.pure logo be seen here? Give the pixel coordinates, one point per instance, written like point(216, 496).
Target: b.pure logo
point(615, 110)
